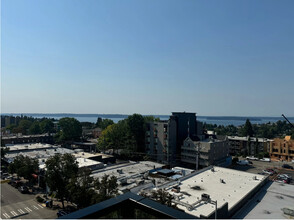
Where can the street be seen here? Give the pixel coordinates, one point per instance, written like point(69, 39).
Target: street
point(258, 166)
point(22, 206)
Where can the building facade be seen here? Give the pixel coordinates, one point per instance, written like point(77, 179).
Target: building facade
point(164, 139)
point(161, 141)
point(211, 151)
point(282, 149)
point(248, 145)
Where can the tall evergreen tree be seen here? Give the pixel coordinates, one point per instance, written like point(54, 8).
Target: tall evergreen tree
point(247, 129)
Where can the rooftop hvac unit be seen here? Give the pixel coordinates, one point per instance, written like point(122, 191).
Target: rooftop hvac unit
point(205, 197)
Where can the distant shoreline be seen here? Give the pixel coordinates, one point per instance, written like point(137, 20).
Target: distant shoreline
point(238, 118)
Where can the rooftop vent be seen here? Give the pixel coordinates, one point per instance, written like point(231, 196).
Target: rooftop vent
point(288, 211)
point(196, 187)
point(205, 197)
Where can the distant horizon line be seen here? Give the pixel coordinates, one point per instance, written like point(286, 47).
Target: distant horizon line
point(120, 114)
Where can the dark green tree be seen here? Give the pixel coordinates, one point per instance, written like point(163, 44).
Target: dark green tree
point(71, 129)
point(247, 129)
point(24, 166)
point(106, 187)
point(104, 123)
point(137, 129)
point(116, 136)
point(60, 170)
point(80, 188)
point(24, 126)
point(47, 126)
point(99, 121)
point(4, 151)
point(35, 128)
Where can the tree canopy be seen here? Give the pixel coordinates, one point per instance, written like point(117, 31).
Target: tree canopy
point(60, 169)
point(24, 166)
point(247, 129)
point(76, 185)
point(127, 135)
point(71, 129)
point(80, 188)
point(104, 123)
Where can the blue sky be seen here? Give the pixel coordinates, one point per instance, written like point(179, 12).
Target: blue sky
point(151, 57)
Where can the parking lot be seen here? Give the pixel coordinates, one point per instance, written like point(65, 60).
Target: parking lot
point(258, 166)
point(16, 205)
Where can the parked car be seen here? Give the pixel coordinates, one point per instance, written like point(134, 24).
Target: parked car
point(287, 166)
point(62, 213)
point(23, 189)
point(16, 183)
point(4, 175)
point(269, 171)
point(265, 159)
point(251, 158)
point(244, 162)
point(282, 181)
point(285, 176)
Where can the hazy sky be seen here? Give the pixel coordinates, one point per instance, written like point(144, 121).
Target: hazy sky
point(151, 57)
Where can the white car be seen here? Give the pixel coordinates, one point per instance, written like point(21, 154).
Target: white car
point(268, 172)
point(285, 176)
point(265, 159)
point(251, 158)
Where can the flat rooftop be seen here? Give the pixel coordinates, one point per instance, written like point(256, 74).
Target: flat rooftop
point(235, 186)
point(19, 147)
point(24, 136)
point(127, 170)
point(83, 162)
point(38, 153)
point(273, 198)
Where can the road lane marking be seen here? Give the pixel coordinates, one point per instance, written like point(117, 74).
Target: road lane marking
point(6, 215)
point(13, 213)
point(28, 209)
point(40, 206)
point(20, 211)
point(35, 207)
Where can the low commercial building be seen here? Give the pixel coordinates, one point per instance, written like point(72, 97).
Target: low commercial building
point(210, 152)
point(104, 158)
point(85, 146)
point(274, 201)
point(130, 175)
point(17, 148)
point(248, 145)
point(91, 164)
point(213, 191)
point(282, 149)
point(21, 139)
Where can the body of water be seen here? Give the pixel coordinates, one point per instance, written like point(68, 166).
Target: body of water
point(218, 120)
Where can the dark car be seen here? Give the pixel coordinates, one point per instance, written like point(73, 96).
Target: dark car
point(287, 166)
point(23, 189)
point(62, 213)
point(16, 183)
